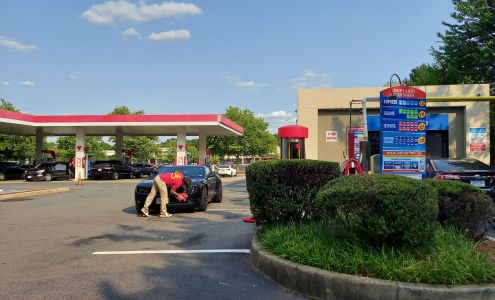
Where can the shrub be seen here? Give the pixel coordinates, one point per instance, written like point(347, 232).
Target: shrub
point(381, 209)
point(463, 206)
point(285, 190)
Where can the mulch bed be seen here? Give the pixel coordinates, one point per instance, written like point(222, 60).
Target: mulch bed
point(487, 247)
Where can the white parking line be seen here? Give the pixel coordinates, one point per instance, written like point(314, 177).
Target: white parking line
point(172, 251)
point(227, 209)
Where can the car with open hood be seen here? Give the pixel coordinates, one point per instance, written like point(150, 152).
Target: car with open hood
point(206, 187)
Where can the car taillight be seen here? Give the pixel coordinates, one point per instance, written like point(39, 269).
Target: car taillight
point(448, 177)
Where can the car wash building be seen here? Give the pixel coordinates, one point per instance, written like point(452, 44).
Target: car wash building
point(457, 123)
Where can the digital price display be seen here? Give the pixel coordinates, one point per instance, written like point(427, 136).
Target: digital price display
point(403, 135)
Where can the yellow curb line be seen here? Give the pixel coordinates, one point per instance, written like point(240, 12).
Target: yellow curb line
point(29, 193)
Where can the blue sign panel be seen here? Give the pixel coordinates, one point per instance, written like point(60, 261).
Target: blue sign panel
point(403, 135)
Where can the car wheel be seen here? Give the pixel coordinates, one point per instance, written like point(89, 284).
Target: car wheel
point(2, 176)
point(115, 176)
point(218, 197)
point(131, 175)
point(204, 200)
point(48, 177)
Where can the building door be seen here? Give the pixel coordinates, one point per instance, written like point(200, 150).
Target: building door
point(437, 143)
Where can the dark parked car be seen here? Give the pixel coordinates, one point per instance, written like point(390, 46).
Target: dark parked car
point(206, 187)
point(113, 169)
point(142, 169)
point(11, 170)
point(468, 170)
point(48, 171)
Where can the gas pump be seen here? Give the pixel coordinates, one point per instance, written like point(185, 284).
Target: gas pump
point(292, 139)
point(89, 160)
point(127, 156)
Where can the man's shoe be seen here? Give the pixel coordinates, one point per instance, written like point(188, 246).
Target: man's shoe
point(145, 211)
point(167, 215)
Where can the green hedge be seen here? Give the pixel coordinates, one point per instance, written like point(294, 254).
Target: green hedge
point(463, 206)
point(381, 209)
point(285, 190)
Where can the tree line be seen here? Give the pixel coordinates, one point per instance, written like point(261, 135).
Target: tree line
point(466, 53)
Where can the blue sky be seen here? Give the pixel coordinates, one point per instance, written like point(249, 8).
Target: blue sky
point(86, 57)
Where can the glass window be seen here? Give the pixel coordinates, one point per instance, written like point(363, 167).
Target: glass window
point(189, 171)
point(60, 167)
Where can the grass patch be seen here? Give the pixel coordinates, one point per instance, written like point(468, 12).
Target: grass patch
point(450, 259)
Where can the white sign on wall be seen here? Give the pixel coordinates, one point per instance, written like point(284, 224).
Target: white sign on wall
point(331, 136)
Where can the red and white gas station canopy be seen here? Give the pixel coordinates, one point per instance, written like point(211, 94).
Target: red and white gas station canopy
point(15, 123)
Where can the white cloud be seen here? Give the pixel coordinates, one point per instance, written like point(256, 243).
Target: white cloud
point(236, 81)
point(130, 32)
point(75, 75)
point(14, 46)
point(310, 79)
point(277, 119)
point(26, 83)
point(276, 114)
point(112, 12)
point(181, 34)
point(4, 83)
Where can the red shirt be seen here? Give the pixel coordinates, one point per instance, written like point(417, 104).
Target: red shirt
point(172, 180)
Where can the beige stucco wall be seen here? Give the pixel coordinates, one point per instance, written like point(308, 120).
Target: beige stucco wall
point(327, 109)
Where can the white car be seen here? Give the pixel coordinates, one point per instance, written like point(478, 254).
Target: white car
point(227, 170)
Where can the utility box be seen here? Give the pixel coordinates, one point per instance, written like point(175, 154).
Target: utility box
point(292, 139)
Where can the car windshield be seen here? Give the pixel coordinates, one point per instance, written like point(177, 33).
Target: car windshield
point(460, 165)
point(224, 167)
point(188, 171)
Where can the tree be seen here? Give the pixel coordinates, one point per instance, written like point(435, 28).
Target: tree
point(467, 48)
point(143, 148)
point(425, 74)
point(466, 53)
point(15, 147)
point(66, 147)
point(171, 152)
point(256, 140)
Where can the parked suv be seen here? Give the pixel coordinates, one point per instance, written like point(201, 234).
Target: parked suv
point(113, 169)
point(142, 169)
point(10, 170)
point(48, 171)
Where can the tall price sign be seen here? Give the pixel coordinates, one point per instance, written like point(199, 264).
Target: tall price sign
point(403, 135)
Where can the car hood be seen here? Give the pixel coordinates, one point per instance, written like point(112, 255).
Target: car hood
point(149, 182)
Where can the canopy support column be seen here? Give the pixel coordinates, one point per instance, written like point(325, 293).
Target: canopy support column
point(119, 143)
point(39, 146)
point(80, 171)
point(202, 148)
point(181, 157)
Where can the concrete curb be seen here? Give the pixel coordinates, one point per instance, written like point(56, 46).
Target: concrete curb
point(30, 193)
point(319, 284)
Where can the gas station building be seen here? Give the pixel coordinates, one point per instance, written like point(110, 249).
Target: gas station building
point(15, 123)
point(456, 128)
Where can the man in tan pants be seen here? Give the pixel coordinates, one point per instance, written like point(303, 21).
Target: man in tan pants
point(160, 183)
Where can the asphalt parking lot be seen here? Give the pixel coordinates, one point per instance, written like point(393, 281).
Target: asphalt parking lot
point(47, 246)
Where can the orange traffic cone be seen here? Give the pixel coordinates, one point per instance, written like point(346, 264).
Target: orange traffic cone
point(79, 181)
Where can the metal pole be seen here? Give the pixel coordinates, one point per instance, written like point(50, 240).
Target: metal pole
point(365, 119)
